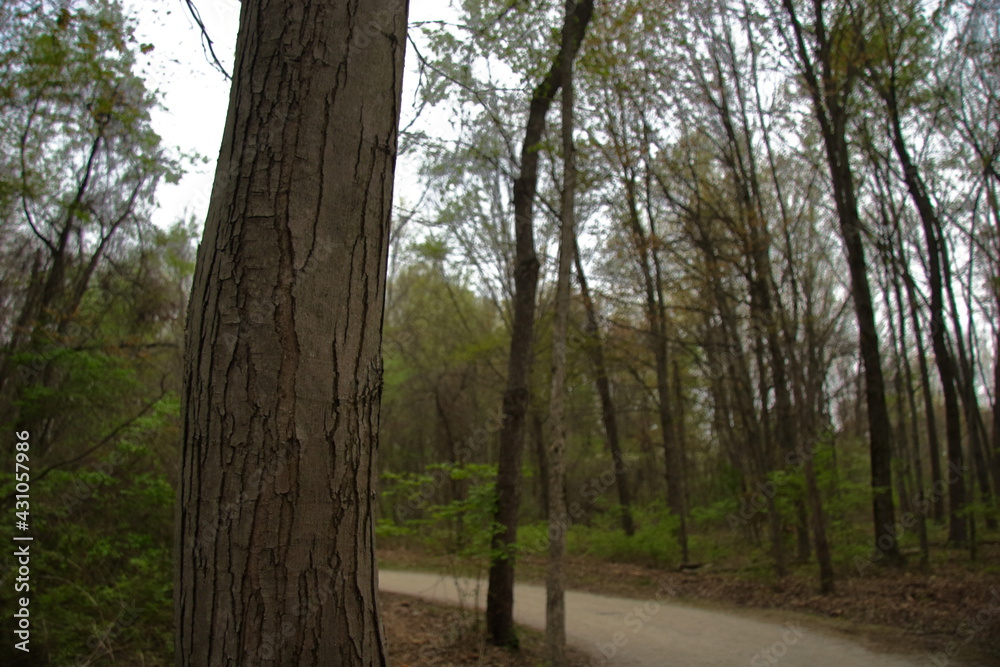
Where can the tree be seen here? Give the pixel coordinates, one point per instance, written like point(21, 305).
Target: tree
point(830, 59)
point(900, 36)
point(275, 561)
point(79, 163)
point(443, 347)
point(500, 596)
point(555, 583)
point(595, 348)
point(91, 308)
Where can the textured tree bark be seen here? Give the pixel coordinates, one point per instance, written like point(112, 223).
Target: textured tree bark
point(283, 378)
point(500, 594)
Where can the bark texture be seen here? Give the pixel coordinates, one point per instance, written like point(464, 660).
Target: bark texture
point(283, 378)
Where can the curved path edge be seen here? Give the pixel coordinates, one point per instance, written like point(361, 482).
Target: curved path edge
point(659, 632)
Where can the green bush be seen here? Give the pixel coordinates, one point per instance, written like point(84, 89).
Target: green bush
point(102, 555)
point(654, 542)
point(461, 526)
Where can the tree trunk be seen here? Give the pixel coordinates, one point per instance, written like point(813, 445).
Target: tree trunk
point(811, 391)
point(995, 454)
point(672, 454)
point(655, 315)
point(596, 348)
point(995, 279)
point(555, 581)
point(918, 466)
point(933, 443)
point(829, 90)
point(500, 595)
point(966, 384)
point(543, 462)
point(283, 375)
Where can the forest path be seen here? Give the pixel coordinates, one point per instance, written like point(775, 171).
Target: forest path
point(658, 632)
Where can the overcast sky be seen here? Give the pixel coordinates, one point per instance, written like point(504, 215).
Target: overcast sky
point(196, 96)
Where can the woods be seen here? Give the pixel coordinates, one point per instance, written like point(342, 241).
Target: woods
point(766, 309)
point(709, 287)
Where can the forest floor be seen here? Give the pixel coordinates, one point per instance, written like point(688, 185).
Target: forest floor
point(422, 633)
point(949, 613)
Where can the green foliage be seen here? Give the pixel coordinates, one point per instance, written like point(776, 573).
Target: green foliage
point(101, 574)
point(448, 509)
point(654, 542)
point(91, 303)
point(441, 346)
point(716, 514)
point(71, 104)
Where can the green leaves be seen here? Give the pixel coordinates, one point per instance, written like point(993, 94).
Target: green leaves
point(460, 526)
point(98, 295)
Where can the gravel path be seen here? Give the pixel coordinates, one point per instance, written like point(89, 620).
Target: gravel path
point(658, 632)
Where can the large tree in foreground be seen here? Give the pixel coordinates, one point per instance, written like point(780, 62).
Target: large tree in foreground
point(275, 561)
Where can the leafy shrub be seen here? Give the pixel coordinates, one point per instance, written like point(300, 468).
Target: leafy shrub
point(654, 542)
point(461, 526)
point(101, 576)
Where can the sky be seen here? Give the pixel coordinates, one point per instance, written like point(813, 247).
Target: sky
point(195, 95)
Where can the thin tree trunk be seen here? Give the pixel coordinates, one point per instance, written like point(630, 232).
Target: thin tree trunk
point(995, 456)
point(828, 89)
point(275, 545)
point(902, 440)
point(808, 373)
point(673, 456)
point(596, 348)
point(966, 383)
point(995, 453)
point(918, 466)
point(500, 595)
point(555, 581)
point(543, 462)
point(764, 306)
point(655, 316)
point(933, 443)
point(682, 449)
point(815, 500)
point(948, 373)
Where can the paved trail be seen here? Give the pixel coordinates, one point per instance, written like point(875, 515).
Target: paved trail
point(658, 633)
